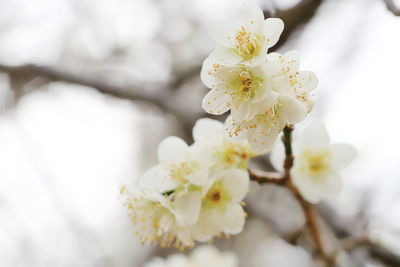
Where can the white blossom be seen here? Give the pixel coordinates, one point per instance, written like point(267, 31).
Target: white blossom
point(239, 88)
point(210, 135)
point(317, 163)
point(222, 210)
point(154, 219)
point(288, 103)
point(200, 257)
point(209, 179)
point(246, 37)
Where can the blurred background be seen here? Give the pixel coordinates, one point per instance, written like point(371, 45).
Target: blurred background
point(88, 88)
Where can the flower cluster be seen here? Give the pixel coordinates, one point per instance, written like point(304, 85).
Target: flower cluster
point(195, 192)
point(202, 256)
point(317, 162)
point(264, 91)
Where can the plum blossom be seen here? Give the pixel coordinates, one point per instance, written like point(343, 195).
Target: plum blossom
point(200, 257)
point(222, 210)
point(154, 219)
point(317, 163)
point(239, 88)
point(246, 37)
point(184, 198)
point(210, 135)
point(288, 102)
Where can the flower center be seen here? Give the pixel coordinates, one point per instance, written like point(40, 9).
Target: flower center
point(244, 86)
point(316, 162)
point(181, 171)
point(246, 44)
point(233, 155)
point(216, 197)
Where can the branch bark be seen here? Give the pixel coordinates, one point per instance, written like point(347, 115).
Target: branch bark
point(392, 7)
point(286, 180)
point(131, 93)
point(294, 17)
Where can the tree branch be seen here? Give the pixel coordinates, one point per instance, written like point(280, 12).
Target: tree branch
point(294, 17)
point(391, 6)
point(307, 208)
point(263, 177)
point(51, 74)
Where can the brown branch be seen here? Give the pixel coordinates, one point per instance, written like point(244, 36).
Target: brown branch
point(263, 177)
point(391, 6)
point(311, 220)
point(307, 208)
point(294, 17)
point(131, 93)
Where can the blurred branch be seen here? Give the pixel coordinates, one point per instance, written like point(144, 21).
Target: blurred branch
point(32, 71)
point(294, 17)
point(392, 7)
point(376, 250)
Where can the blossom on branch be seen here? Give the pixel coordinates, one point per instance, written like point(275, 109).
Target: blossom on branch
point(195, 192)
point(264, 92)
point(288, 102)
point(246, 37)
point(316, 162)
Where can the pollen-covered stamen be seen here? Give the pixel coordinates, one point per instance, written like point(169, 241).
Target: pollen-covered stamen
point(244, 86)
point(246, 43)
point(154, 224)
point(233, 155)
point(316, 162)
point(180, 171)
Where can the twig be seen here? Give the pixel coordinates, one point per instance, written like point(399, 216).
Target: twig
point(262, 177)
point(308, 209)
point(391, 6)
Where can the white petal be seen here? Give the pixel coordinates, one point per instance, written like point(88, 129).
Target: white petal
point(173, 150)
point(272, 66)
point(205, 128)
point(273, 28)
point(308, 80)
point(233, 219)
point(250, 11)
point(225, 56)
point(187, 208)
point(245, 111)
point(308, 189)
point(229, 126)
point(157, 179)
point(220, 30)
point(342, 155)
point(332, 185)
point(292, 110)
point(263, 136)
point(199, 177)
point(250, 15)
point(317, 188)
point(207, 73)
point(217, 102)
point(236, 183)
point(292, 60)
point(315, 135)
